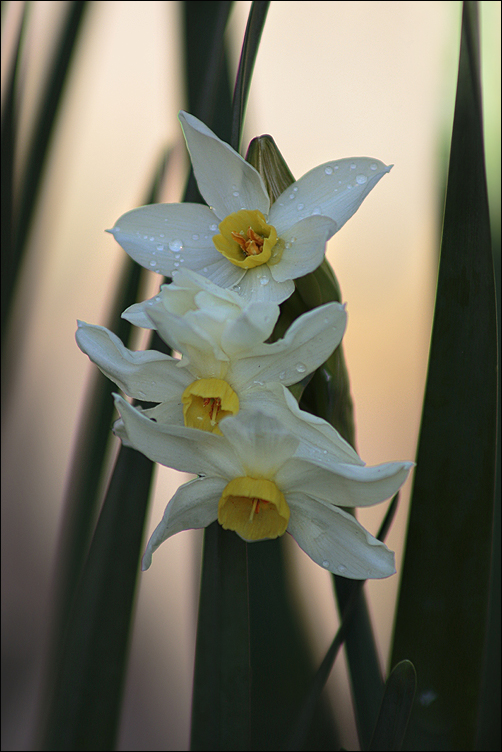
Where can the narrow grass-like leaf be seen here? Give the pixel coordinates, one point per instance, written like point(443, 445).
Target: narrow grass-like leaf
point(395, 709)
point(91, 669)
point(220, 707)
point(442, 610)
point(254, 29)
point(8, 149)
point(351, 612)
point(38, 149)
point(82, 504)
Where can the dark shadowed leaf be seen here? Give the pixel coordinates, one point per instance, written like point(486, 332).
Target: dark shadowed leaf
point(442, 610)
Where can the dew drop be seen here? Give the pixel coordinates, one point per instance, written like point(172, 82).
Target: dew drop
point(264, 281)
point(162, 235)
point(145, 237)
point(373, 166)
point(328, 170)
point(152, 239)
point(205, 270)
point(282, 375)
point(349, 187)
point(292, 196)
point(213, 227)
point(160, 248)
point(325, 563)
point(294, 239)
point(149, 302)
point(195, 237)
point(259, 383)
point(176, 245)
point(288, 245)
point(361, 179)
point(353, 166)
point(317, 210)
point(301, 367)
point(153, 263)
point(342, 568)
point(157, 298)
point(176, 263)
point(235, 193)
point(300, 207)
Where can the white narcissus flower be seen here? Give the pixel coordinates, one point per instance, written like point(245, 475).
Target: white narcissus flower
point(225, 360)
point(238, 240)
point(258, 481)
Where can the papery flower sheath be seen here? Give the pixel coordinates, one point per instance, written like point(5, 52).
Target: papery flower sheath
point(225, 360)
point(239, 240)
point(258, 481)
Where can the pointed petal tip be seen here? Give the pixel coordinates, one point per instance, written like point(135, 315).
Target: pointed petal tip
point(146, 561)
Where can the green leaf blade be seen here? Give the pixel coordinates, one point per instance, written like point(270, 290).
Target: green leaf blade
point(442, 610)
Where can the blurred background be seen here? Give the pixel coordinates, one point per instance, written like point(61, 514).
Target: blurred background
point(331, 80)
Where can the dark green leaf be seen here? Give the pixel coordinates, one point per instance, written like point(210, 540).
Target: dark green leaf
point(85, 706)
point(221, 701)
point(38, 148)
point(442, 610)
point(254, 29)
point(395, 709)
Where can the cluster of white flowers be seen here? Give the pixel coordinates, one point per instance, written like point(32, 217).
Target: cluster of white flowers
point(222, 410)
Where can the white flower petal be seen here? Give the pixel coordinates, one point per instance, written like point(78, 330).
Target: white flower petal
point(258, 285)
point(337, 541)
point(334, 189)
point(194, 505)
point(305, 245)
point(252, 327)
point(259, 441)
point(340, 484)
point(163, 237)
point(316, 435)
point(308, 342)
point(226, 181)
point(185, 449)
point(146, 374)
point(184, 334)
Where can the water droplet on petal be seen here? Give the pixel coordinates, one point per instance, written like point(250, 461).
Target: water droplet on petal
point(195, 237)
point(301, 367)
point(328, 170)
point(292, 196)
point(152, 239)
point(176, 245)
point(373, 166)
point(235, 193)
point(300, 207)
point(213, 227)
point(282, 375)
point(325, 563)
point(353, 166)
point(317, 210)
point(153, 263)
point(361, 179)
point(159, 248)
point(342, 568)
point(176, 263)
point(263, 280)
point(205, 270)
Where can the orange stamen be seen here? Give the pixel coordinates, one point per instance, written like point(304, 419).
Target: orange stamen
point(252, 245)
